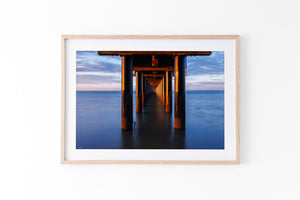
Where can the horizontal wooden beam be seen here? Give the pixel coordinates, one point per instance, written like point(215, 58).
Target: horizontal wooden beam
point(153, 75)
point(153, 68)
point(174, 53)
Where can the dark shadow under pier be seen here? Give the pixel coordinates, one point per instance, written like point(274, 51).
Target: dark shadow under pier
point(154, 129)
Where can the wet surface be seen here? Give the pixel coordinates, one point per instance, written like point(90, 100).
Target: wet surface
point(98, 123)
point(154, 129)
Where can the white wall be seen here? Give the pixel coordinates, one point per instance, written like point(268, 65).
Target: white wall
point(30, 99)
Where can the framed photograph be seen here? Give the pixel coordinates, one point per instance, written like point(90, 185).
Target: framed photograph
point(150, 99)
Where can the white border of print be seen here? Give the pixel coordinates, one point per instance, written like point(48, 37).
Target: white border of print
point(73, 43)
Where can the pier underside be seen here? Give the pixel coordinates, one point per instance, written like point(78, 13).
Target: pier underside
point(154, 71)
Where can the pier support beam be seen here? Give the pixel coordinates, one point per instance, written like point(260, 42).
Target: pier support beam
point(164, 91)
point(179, 108)
point(144, 91)
point(139, 91)
point(168, 91)
point(126, 118)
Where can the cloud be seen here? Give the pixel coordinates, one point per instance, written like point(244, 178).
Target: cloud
point(90, 61)
point(205, 86)
point(213, 64)
point(98, 87)
point(205, 72)
point(92, 79)
point(96, 72)
point(116, 75)
point(205, 78)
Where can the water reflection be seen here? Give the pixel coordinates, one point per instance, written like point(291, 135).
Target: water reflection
point(98, 123)
point(153, 129)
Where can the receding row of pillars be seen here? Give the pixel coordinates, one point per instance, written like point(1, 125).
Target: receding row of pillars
point(144, 90)
point(164, 91)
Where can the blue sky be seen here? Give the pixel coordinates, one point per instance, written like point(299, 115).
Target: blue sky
point(103, 73)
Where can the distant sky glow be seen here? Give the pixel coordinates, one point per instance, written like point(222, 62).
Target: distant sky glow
point(103, 73)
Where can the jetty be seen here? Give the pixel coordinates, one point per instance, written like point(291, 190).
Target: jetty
point(153, 71)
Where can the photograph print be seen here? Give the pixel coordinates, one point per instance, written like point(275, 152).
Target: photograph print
point(149, 100)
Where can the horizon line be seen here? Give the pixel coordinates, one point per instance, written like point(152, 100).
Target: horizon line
point(132, 90)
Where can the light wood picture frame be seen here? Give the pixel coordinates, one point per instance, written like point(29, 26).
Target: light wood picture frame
point(152, 60)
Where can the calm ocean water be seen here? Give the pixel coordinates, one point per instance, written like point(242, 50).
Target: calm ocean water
point(98, 123)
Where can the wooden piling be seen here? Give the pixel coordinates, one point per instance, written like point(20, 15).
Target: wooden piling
point(139, 91)
point(168, 91)
point(126, 118)
point(179, 107)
